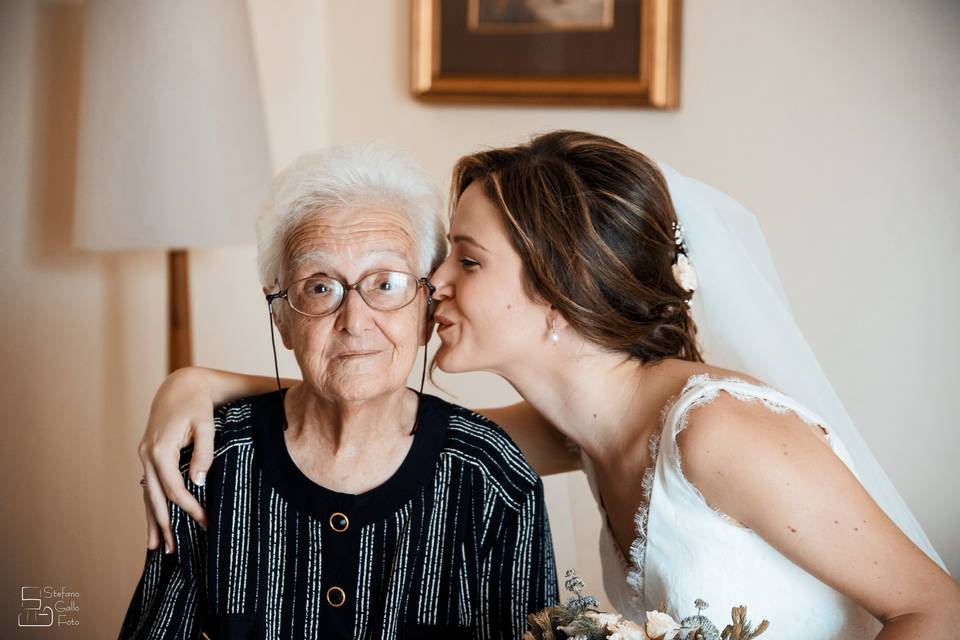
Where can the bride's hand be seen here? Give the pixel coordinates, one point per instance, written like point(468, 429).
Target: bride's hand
point(181, 413)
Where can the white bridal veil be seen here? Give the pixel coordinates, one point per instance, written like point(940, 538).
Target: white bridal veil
point(745, 323)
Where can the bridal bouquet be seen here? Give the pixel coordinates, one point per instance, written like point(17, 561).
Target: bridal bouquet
point(579, 619)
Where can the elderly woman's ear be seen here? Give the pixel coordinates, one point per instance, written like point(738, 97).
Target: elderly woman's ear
point(278, 319)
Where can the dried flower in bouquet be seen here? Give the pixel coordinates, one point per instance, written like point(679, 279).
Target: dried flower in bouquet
point(741, 628)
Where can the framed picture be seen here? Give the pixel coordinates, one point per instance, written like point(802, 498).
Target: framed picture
point(561, 52)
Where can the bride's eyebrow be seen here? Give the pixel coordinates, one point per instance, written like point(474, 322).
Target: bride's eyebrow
point(469, 240)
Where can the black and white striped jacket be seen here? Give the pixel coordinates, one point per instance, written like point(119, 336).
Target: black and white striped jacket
point(455, 544)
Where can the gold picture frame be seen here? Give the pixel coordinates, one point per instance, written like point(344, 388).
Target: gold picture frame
point(620, 53)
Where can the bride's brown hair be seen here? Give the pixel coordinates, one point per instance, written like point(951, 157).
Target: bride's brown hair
point(593, 223)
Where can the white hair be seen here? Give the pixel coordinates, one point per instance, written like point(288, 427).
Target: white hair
point(349, 178)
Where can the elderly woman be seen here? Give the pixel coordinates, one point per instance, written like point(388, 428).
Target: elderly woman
point(350, 506)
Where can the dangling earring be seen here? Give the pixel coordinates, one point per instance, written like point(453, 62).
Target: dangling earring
point(554, 334)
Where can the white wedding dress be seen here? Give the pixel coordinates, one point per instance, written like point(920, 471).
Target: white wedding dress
point(686, 550)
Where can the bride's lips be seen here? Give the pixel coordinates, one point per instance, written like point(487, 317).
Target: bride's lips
point(442, 321)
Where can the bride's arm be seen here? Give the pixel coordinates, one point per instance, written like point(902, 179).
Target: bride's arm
point(546, 449)
point(774, 474)
point(181, 413)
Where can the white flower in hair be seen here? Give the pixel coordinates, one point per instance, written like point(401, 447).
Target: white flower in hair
point(684, 273)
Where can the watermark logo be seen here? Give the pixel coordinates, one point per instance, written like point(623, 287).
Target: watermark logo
point(48, 607)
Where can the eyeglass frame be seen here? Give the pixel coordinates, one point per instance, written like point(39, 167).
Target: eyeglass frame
point(422, 282)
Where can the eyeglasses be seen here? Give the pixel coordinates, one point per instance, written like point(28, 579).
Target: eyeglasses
point(318, 296)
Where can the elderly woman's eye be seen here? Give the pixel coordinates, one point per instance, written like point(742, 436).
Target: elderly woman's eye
point(317, 289)
point(388, 283)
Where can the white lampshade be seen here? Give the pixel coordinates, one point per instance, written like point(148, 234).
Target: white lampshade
point(172, 149)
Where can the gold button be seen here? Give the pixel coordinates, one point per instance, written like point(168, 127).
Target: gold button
point(336, 597)
point(339, 522)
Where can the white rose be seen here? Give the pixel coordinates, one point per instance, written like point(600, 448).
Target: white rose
point(660, 625)
point(627, 630)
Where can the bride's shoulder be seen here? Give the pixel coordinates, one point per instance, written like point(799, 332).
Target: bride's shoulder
point(716, 406)
point(728, 440)
point(739, 410)
point(735, 405)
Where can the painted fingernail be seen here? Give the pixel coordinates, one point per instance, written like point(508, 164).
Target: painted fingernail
point(201, 479)
point(166, 548)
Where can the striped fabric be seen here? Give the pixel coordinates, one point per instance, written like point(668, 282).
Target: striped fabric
point(455, 544)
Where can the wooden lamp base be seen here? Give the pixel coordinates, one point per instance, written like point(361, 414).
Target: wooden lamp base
point(179, 351)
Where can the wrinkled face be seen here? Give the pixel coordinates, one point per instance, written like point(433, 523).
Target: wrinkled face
point(356, 353)
point(485, 319)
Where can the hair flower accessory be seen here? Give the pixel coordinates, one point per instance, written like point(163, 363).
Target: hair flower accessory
point(683, 271)
point(684, 274)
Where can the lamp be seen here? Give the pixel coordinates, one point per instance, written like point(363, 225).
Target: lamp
point(172, 151)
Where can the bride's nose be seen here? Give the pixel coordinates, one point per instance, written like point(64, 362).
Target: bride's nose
point(442, 279)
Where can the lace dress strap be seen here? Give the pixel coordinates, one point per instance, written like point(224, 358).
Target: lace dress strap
point(701, 389)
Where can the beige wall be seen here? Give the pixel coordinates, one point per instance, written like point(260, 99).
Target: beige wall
point(835, 122)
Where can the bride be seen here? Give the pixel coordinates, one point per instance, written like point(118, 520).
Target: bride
point(596, 283)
